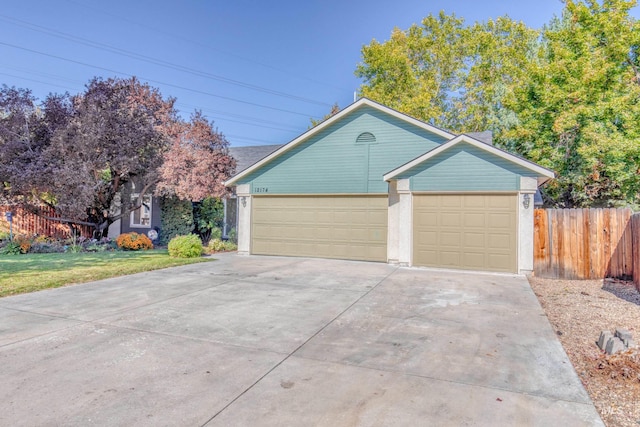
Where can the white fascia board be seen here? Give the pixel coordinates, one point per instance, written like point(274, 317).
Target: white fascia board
point(546, 174)
point(347, 110)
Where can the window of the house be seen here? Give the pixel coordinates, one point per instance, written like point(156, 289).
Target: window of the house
point(141, 217)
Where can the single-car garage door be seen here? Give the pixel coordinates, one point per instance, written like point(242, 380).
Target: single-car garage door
point(465, 231)
point(344, 227)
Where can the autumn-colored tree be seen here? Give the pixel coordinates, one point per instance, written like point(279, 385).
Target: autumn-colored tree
point(116, 136)
point(26, 129)
point(86, 155)
point(197, 162)
point(335, 109)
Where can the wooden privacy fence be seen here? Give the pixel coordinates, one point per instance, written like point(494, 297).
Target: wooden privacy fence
point(587, 243)
point(29, 224)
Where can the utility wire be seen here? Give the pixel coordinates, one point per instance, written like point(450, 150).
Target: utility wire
point(151, 60)
point(221, 119)
point(154, 81)
point(239, 116)
point(35, 81)
point(194, 42)
point(253, 121)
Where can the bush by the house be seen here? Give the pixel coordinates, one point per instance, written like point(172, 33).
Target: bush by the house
point(208, 217)
point(134, 242)
point(217, 245)
point(233, 236)
point(176, 217)
point(187, 246)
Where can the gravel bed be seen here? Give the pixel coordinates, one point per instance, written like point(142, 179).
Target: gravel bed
point(578, 311)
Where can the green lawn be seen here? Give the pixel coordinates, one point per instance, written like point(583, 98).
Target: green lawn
point(32, 272)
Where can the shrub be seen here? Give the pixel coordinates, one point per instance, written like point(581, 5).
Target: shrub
point(208, 216)
point(11, 248)
point(188, 246)
point(216, 233)
point(233, 236)
point(217, 245)
point(74, 249)
point(176, 217)
point(134, 242)
point(46, 248)
point(24, 242)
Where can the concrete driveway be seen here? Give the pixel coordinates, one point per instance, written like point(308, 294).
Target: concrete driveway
point(246, 341)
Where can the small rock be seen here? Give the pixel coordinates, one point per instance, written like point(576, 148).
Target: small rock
point(604, 338)
point(623, 334)
point(614, 345)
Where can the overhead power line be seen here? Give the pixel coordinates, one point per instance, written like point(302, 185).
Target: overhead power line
point(228, 98)
point(240, 116)
point(206, 46)
point(155, 61)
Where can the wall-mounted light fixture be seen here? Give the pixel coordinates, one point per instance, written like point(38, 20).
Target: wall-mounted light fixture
point(244, 201)
point(526, 200)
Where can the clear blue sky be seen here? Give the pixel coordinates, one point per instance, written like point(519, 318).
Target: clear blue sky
point(259, 69)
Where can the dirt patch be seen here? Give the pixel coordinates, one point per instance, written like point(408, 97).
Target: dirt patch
point(579, 310)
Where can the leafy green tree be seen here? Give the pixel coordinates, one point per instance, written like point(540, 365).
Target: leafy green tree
point(567, 98)
point(417, 70)
point(498, 55)
point(449, 74)
point(579, 113)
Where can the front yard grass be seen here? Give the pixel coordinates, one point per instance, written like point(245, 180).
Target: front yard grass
point(33, 272)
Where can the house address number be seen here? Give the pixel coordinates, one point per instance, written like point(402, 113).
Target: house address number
point(261, 190)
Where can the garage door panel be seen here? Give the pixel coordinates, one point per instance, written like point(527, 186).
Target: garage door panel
point(448, 238)
point(496, 261)
point(499, 202)
point(477, 219)
point(452, 202)
point(474, 259)
point(501, 220)
point(474, 201)
point(468, 231)
point(474, 240)
point(498, 242)
point(451, 219)
point(347, 227)
point(426, 217)
point(449, 259)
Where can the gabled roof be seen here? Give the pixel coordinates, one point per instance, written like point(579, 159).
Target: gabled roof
point(543, 173)
point(246, 156)
point(345, 112)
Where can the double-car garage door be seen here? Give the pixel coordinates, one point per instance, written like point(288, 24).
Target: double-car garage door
point(465, 231)
point(344, 227)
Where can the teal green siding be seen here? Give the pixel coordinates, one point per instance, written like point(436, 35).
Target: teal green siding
point(331, 162)
point(466, 168)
